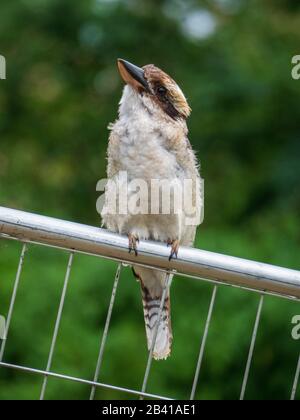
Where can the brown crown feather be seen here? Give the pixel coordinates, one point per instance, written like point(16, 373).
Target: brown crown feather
point(175, 104)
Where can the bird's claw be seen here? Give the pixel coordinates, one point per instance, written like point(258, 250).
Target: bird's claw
point(175, 248)
point(133, 240)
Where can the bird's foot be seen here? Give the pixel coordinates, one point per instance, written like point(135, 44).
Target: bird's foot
point(175, 248)
point(133, 240)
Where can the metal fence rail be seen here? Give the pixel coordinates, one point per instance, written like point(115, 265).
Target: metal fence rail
point(77, 238)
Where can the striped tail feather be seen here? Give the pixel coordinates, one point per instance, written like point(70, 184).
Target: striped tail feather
point(164, 337)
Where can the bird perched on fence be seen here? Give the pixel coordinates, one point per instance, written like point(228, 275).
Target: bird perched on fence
point(149, 142)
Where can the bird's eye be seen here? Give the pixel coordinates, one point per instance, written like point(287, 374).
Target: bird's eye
point(161, 90)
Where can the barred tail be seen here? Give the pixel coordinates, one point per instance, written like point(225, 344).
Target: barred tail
point(164, 337)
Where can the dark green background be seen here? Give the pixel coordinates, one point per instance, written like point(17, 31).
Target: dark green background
point(62, 90)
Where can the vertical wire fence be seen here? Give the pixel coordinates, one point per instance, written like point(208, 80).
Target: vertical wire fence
point(106, 328)
point(252, 345)
point(57, 325)
point(13, 300)
point(48, 373)
point(203, 343)
point(296, 381)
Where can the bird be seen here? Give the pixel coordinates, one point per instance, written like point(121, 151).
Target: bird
point(149, 141)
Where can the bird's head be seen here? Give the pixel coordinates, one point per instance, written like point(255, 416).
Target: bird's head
point(156, 89)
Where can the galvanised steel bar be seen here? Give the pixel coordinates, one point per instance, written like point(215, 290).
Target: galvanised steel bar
point(82, 381)
point(203, 264)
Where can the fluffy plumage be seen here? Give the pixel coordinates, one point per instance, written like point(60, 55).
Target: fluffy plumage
point(149, 141)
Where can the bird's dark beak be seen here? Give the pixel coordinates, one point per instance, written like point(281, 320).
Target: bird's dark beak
point(132, 74)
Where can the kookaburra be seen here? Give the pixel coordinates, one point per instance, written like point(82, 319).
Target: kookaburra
point(149, 142)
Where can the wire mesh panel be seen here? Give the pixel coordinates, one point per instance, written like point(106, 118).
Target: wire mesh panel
point(261, 278)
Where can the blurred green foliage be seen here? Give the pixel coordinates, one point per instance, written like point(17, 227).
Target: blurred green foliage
point(233, 61)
